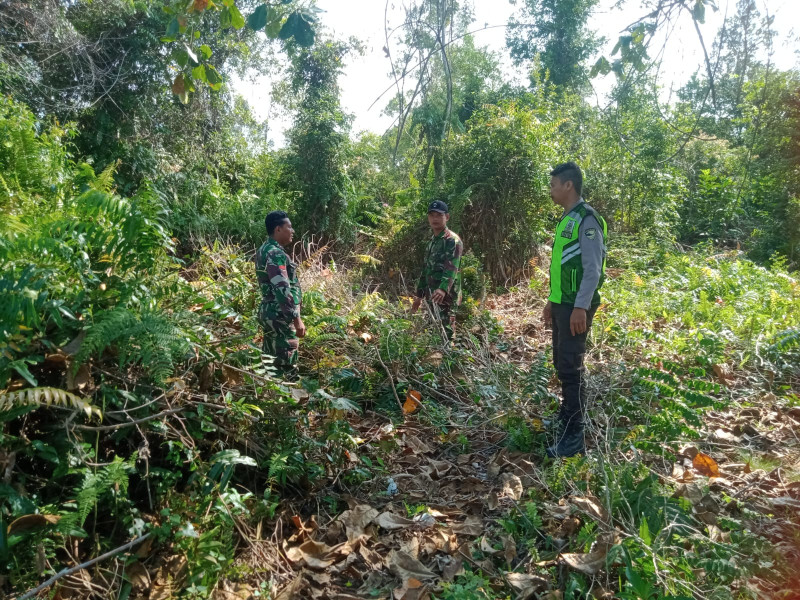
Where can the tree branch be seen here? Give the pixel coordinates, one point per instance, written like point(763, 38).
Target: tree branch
point(163, 413)
point(89, 563)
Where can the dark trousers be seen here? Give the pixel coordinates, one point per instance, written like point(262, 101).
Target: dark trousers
point(568, 352)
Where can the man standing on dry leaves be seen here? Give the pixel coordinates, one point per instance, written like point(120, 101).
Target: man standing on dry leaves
point(577, 271)
point(281, 296)
point(440, 282)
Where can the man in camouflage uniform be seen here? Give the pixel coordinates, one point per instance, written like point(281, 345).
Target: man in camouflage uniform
point(440, 282)
point(279, 312)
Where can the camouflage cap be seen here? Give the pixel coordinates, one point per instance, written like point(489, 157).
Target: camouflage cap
point(438, 206)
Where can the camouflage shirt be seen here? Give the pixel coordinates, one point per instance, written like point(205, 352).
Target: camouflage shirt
point(441, 267)
point(277, 277)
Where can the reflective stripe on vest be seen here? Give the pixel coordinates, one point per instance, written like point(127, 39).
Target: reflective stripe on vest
point(566, 270)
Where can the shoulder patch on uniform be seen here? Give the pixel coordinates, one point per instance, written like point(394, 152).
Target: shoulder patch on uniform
point(591, 233)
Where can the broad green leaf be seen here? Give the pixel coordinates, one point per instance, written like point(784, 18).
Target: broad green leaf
point(644, 532)
point(237, 20)
point(273, 25)
point(299, 27)
point(213, 78)
point(289, 26)
point(602, 67)
point(232, 457)
point(225, 18)
point(699, 11)
point(199, 72)
point(304, 35)
point(182, 58)
point(258, 20)
point(21, 368)
point(172, 31)
point(205, 51)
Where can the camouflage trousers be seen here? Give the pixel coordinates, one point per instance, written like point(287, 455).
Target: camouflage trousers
point(280, 342)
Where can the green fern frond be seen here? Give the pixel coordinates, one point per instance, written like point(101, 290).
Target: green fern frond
point(111, 479)
point(108, 328)
point(323, 338)
point(105, 181)
point(46, 396)
point(787, 340)
point(150, 340)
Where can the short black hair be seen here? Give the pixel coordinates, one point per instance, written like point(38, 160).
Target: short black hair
point(569, 171)
point(275, 219)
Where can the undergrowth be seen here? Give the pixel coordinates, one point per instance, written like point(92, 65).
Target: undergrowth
point(194, 440)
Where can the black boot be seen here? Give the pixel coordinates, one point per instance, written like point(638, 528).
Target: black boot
point(569, 443)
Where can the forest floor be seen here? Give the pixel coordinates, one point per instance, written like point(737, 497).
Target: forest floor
point(402, 468)
point(443, 502)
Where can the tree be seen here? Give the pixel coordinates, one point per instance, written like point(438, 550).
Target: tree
point(429, 29)
point(318, 140)
point(552, 37)
point(497, 176)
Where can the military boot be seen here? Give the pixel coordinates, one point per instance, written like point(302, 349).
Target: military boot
point(568, 443)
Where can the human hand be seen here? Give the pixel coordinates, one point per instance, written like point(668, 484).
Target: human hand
point(577, 321)
point(300, 327)
point(438, 296)
point(547, 314)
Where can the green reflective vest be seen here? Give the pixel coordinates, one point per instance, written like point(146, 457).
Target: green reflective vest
point(566, 268)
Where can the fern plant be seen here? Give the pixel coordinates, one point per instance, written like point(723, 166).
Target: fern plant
point(45, 396)
point(111, 479)
point(73, 253)
point(148, 339)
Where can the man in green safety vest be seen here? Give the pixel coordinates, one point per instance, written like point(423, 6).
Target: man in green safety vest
point(577, 271)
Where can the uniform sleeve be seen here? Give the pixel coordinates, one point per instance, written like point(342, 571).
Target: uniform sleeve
point(279, 280)
point(261, 274)
point(592, 254)
point(297, 294)
point(452, 263)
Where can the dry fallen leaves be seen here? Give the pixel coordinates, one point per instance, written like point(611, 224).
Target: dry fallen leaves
point(588, 564)
point(413, 589)
point(137, 574)
point(412, 403)
point(391, 521)
point(406, 567)
point(28, 522)
point(705, 465)
point(471, 526)
point(291, 591)
point(592, 506)
point(512, 486)
point(169, 578)
point(357, 520)
point(526, 586)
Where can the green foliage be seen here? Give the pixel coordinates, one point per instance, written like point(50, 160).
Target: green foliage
point(150, 339)
point(499, 175)
point(318, 141)
point(556, 35)
point(468, 587)
point(98, 297)
point(703, 310)
point(92, 254)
